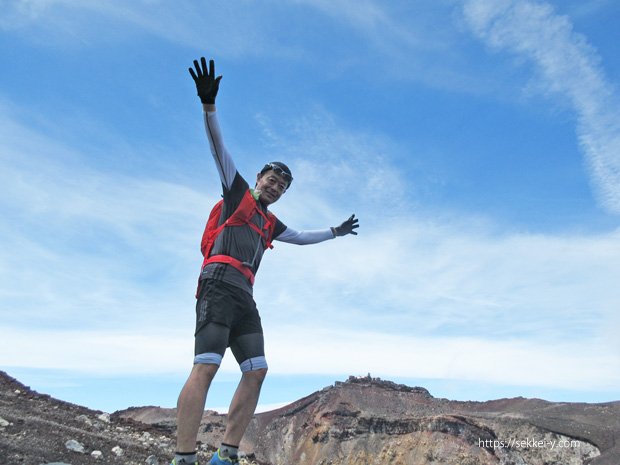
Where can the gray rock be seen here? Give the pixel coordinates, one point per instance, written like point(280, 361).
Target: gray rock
point(75, 446)
point(84, 419)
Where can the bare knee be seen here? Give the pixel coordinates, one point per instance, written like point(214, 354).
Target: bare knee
point(260, 374)
point(204, 373)
point(256, 376)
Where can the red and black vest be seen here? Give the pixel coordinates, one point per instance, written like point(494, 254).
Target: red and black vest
point(242, 216)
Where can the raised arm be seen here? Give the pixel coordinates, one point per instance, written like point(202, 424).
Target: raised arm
point(207, 86)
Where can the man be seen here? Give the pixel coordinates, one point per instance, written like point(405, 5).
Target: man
point(239, 230)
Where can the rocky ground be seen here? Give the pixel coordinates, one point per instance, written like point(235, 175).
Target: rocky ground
point(36, 429)
point(368, 421)
point(363, 421)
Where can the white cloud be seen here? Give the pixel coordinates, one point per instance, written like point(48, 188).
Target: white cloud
point(408, 297)
point(567, 66)
point(318, 350)
point(510, 361)
point(85, 247)
point(340, 166)
point(396, 42)
point(422, 275)
point(231, 28)
point(458, 292)
point(474, 302)
point(98, 352)
point(417, 278)
point(370, 17)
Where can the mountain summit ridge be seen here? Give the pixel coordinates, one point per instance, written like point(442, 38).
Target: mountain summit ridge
point(369, 420)
point(366, 420)
point(361, 421)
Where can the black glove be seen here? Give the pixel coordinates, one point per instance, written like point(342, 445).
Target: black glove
point(207, 84)
point(347, 227)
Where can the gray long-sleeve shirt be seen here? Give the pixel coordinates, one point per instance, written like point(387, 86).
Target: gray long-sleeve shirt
point(243, 243)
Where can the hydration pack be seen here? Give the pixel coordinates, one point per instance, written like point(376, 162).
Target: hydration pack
point(242, 216)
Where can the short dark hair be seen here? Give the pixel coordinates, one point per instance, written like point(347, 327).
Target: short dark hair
point(281, 169)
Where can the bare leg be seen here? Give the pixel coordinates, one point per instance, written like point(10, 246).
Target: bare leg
point(191, 405)
point(243, 405)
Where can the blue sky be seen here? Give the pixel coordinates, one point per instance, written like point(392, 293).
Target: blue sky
point(478, 142)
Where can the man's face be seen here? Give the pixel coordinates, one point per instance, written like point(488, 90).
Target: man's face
point(271, 186)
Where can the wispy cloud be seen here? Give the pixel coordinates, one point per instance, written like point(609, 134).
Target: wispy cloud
point(457, 284)
point(372, 19)
point(87, 247)
point(340, 166)
point(98, 352)
point(567, 66)
point(510, 361)
point(303, 350)
point(230, 28)
point(409, 296)
point(435, 288)
point(400, 41)
point(423, 300)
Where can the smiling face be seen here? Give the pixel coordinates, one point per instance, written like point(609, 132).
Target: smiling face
point(271, 186)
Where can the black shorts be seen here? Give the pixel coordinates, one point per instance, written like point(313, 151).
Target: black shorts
point(229, 306)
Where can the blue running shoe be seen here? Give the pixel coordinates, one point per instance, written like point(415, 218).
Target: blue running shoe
point(217, 460)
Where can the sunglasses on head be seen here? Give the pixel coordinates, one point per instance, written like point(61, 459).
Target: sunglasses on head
point(278, 170)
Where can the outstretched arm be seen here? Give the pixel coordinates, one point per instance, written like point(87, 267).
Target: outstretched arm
point(207, 86)
point(313, 237)
point(291, 236)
